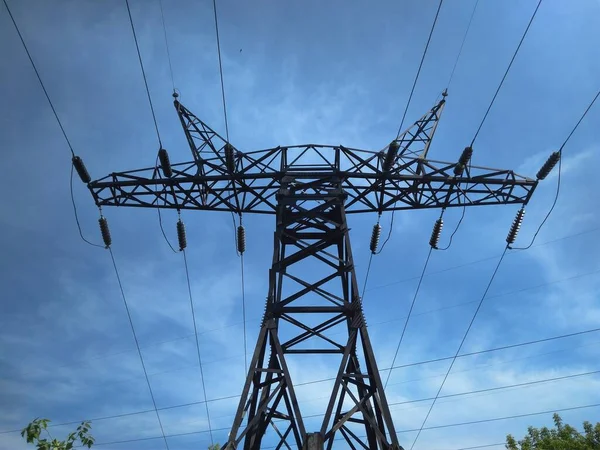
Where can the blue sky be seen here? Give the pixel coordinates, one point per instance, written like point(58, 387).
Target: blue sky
point(295, 72)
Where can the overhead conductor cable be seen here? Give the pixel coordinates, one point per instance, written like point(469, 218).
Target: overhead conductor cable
point(76, 161)
point(512, 235)
point(556, 158)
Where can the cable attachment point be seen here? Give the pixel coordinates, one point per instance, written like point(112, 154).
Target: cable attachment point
point(515, 227)
point(104, 230)
point(375, 238)
point(181, 237)
point(464, 159)
point(241, 239)
point(435, 234)
point(81, 169)
point(548, 166)
point(165, 163)
point(390, 156)
point(229, 157)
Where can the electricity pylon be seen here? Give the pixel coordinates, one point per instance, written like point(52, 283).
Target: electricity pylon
point(310, 189)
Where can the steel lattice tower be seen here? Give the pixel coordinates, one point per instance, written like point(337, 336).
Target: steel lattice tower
point(310, 189)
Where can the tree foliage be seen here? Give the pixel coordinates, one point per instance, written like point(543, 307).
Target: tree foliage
point(560, 437)
point(214, 447)
point(33, 434)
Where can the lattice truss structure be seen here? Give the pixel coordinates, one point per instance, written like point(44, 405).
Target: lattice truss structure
point(310, 189)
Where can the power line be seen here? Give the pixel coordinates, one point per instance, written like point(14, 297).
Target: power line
point(241, 256)
point(460, 345)
point(412, 90)
point(495, 349)
point(500, 388)
point(579, 121)
point(96, 419)
point(439, 309)
point(187, 276)
point(496, 419)
point(150, 438)
point(448, 269)
point(244, 314)
point(471, 369)
point(311, 382)
point(516, 291)
point(232, 215)
point(162, 15)
point(482, 446)
point(159, 213)
point(163, 408)
point(462, 43)
point(409, 314)
point(493, 98)
point(62, 129)
point(137, 48)
point(560, 173)
point(434, 427)
point(462, 216)
point(160, 223)
point(477, 392)
point(506, 73)
point(137, 344)
point(221, 69)
point(367, 276)
point(385, 322)
point(39, 78)
point(75, 212)
point(437, 13)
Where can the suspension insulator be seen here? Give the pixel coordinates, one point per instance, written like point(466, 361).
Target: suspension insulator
point(548, 166)
point(465, 156)
point(464, 159)
point(165, 163)
point(375, 237)
point(105, 231)
point(81, 170)
point(181, 235)
point(229, 157)
point(390, 156)
point(241, 239)
point(435, 234)
point(515, 227)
